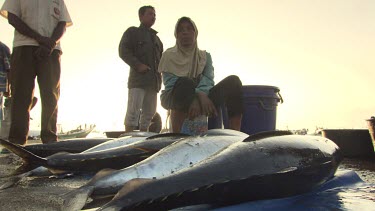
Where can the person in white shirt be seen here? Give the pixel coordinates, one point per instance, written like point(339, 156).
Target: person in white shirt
point(39, 26)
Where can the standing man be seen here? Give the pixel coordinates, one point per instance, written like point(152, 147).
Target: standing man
point(39, 26)
point(141, 49)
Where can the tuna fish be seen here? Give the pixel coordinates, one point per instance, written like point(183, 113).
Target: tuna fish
point(254, 169)
point(177, 156)
point(93, 161)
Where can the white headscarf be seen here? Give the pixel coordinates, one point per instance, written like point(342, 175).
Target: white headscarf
point(183, 62)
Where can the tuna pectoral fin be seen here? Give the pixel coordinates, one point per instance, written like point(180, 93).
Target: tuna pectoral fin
point(101, 173)
point(267, 134)
point(126, 193)
point(76, 199)
point(131, 186)
point(25, 168)
point(287, 170)
point(11, 181)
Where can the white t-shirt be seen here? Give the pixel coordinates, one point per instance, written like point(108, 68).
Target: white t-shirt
point(40, 15)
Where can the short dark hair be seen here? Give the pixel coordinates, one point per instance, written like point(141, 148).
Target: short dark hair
point(143, 9)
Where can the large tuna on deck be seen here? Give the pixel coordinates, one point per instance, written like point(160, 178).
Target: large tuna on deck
point(254, 169)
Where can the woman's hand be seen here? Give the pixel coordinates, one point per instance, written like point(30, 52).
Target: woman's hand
point(208, 107)
point(194, 109)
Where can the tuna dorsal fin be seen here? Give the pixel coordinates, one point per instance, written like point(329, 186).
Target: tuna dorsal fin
point(267, 134)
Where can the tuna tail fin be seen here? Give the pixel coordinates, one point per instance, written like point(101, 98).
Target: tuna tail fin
point(267, 134)
point(31, 161)
point(76, 199)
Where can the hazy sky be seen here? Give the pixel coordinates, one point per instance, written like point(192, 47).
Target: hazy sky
point(320, 53)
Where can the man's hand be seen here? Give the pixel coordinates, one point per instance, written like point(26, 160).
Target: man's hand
point(46, 41)
point(142, 68)
point(42, 52)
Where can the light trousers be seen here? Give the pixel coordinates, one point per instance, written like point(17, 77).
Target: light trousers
point(141, 108)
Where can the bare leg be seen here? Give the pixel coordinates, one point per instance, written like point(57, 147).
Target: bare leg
point(235, 122)
point(177, 119)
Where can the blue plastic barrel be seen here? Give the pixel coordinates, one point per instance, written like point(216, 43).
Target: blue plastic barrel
point(260, 104)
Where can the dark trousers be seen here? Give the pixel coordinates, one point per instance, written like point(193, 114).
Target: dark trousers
point(24, 69)
point(227, 92)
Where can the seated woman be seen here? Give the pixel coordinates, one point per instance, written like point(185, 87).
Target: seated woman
point(188, 77)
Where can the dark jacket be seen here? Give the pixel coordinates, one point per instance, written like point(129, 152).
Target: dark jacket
point(142, 45)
